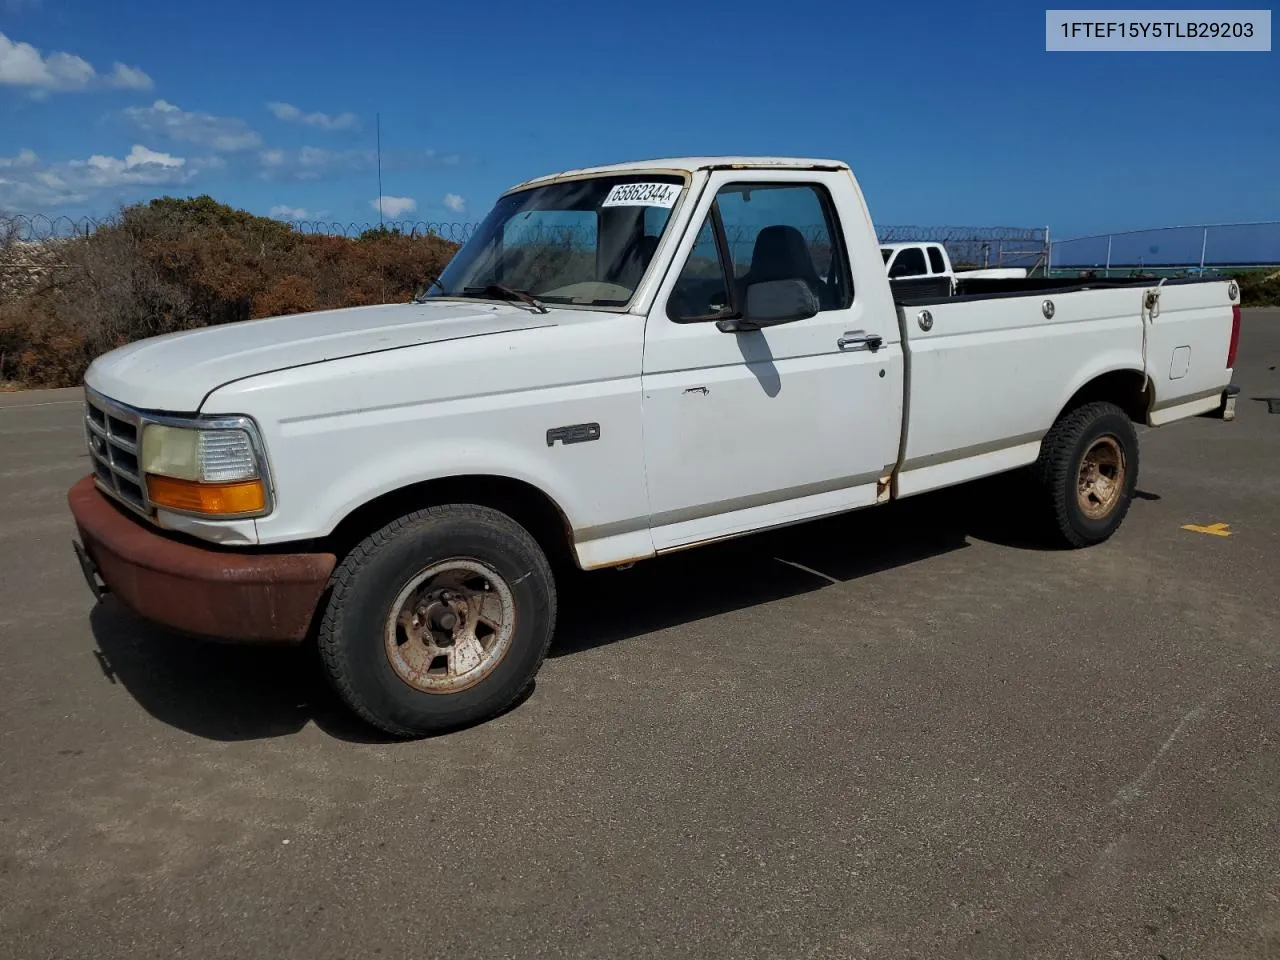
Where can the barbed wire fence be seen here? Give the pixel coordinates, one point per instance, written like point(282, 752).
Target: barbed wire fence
point(32, 241)
point(1199, 246)
point(27, 227)
point(31, 244)
point(984, 247)
point(39, 228)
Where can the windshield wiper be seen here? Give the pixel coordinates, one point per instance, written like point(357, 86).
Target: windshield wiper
point(506, 293)
point(421, 297)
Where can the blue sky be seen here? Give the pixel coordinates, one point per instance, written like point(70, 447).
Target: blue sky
point(949, 113)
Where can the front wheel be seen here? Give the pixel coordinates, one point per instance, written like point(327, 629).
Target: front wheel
point(440, 619)
point(1087, 472)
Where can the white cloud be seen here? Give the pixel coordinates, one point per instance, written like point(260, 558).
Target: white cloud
point(323, 121)
point(139, 156)
point(394, 206)
point(311, 163)
point(128, 78)
point(314, 156)
point(318, 163)
point(26, 183)
point(22, 65)
point(25, 158)
point(455, 203)
point(224, 134)
point(284, 111)
point(281, 212)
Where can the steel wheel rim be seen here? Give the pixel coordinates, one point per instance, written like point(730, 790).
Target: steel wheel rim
point(1100, 482)
point(450, 626)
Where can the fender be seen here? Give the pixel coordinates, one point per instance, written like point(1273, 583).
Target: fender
point(1112, 361)
point(343, 433)
point(596, 544)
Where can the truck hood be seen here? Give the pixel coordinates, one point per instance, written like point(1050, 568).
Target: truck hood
point(177, 371)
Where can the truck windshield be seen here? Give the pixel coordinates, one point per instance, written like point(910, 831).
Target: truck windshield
point(582, 242)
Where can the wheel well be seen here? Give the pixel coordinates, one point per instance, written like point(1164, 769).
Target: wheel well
point(522, 502)
point(1127, 389)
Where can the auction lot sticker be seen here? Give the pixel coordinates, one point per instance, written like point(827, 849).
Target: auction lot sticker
point(643, 195)
point(1196, 31)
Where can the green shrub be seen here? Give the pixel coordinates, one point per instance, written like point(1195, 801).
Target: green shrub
point(1259, 288)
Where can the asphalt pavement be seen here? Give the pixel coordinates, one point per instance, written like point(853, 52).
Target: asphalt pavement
point(909, 732)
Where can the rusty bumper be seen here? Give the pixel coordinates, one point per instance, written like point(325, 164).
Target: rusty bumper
point(227, 594)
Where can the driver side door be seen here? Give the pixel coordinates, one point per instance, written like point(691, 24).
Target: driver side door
point(751, 429)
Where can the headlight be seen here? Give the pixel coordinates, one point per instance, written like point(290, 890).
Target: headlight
point(206, 471)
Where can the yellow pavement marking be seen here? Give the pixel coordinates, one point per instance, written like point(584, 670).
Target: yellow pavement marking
point(1213, 529)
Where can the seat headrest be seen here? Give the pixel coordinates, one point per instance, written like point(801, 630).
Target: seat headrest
point(781, 253)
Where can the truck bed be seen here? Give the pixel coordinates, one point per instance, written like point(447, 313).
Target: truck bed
point(912, 293)
point(990, 368)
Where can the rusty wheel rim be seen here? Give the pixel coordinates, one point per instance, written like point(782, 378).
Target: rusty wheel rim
point(450, 626)
point(1101, 478)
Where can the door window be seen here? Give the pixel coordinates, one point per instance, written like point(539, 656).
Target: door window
point(936, 263)
point(909, 263)
point(701, 291)
point(755, 233)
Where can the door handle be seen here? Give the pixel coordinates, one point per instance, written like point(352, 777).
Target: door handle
point(860, 340)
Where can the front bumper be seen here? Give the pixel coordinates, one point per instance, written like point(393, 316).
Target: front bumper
point(226, 594)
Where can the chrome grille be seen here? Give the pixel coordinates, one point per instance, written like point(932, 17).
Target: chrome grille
point(114, 434)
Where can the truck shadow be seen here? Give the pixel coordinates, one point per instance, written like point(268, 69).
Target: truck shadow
point(219, 691)
point(227, 692)
point(608, 606)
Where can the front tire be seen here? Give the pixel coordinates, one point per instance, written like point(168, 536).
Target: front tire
point(1087, 472)
point(438, 620)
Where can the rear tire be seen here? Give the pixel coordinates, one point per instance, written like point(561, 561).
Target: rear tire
point(439, 620)
point(1087, 472)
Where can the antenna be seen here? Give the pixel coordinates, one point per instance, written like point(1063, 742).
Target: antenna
point(378, 122)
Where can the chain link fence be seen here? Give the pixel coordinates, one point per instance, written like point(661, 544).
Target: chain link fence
point(1202, 248)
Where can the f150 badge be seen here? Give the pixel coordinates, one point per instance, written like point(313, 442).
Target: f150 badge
point(574, 433)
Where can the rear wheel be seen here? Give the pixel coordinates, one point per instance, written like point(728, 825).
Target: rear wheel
point(440, 619)
point(1087, 472)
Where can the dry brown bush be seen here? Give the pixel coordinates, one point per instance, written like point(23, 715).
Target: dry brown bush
point(174, 264)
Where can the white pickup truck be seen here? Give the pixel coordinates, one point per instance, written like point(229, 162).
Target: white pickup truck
point(918, 269)
point(623, 361)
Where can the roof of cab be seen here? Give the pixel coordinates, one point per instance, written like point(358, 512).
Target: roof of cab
point(691, 164)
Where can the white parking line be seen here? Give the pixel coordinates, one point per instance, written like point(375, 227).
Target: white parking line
point(809, 570)
point(42, 403)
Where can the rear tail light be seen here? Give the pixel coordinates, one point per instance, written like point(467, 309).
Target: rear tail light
point(1235, 336)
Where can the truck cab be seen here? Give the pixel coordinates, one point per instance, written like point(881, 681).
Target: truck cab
point(918, 268)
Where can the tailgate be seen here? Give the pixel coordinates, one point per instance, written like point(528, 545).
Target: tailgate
point(1187, 334)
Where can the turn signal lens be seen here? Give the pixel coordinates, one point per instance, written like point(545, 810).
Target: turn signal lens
point(212, 499)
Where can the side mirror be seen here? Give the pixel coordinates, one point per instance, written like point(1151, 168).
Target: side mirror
point(772, 302)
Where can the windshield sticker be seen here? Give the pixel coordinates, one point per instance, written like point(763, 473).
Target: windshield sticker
point(643, 195)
